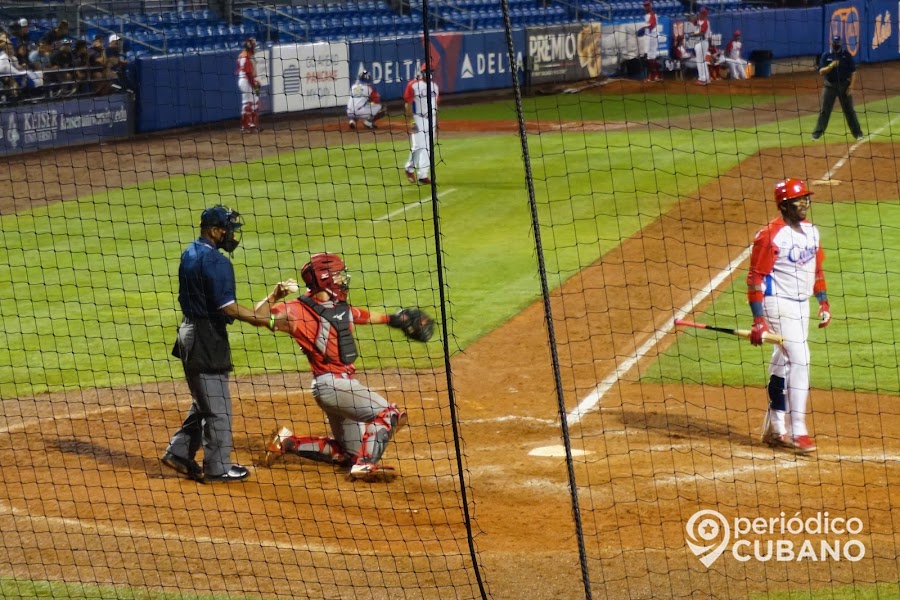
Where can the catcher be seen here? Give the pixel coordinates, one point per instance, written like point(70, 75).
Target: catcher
point(321, 321)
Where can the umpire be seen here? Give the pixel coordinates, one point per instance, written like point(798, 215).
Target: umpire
point(206, 293)
point(839, 70)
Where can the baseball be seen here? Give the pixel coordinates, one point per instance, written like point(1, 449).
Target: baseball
point(291, 286)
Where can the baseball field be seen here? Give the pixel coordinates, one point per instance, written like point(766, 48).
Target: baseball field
point(646, 198)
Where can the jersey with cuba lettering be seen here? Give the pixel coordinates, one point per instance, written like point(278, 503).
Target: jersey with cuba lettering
point(317, 337)
point(787, 263)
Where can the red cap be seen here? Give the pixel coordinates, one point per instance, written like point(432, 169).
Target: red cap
point(648, 4)
point(737, 32)
point(703, 11)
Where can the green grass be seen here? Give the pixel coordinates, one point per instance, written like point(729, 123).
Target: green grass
point(881, 591)
point(17, 588)
point(860, 350)
point(88, 288)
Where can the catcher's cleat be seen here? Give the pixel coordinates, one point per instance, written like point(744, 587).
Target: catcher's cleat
point(276, 446)
point(803, 443)
point(411, 176)
point(352, 124)
point(369, 124)
point(365, 470)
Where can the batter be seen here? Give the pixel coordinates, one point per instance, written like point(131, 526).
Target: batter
point(785, 270)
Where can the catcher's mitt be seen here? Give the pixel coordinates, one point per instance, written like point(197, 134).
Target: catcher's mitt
point(414, 322)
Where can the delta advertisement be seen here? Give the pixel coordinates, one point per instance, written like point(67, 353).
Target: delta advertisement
point(65, 123)
point(461, 62)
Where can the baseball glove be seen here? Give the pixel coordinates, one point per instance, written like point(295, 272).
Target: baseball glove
point(414, 322)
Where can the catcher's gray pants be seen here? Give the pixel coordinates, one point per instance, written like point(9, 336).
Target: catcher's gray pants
point(208, 421)
point(354, 413)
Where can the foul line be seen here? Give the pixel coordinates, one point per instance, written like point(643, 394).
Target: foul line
point(843, 160)
point(406, 207)
point(590, 402)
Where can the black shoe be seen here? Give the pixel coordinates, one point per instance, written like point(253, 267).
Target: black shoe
point(185, 466)
point(235, 473)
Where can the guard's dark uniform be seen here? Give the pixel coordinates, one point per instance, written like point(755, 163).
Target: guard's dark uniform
point(837, 86)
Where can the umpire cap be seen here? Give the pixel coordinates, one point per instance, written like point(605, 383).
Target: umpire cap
point(220, 216)
point(836, 40)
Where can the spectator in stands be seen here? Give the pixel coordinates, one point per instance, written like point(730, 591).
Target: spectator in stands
point(39, 58)
point(63, 60)
point(101, 74)
point(115, 61)
point(9, 87)
point(58, 33)
point(19, 34)
point(82, 67)
point(737, 66)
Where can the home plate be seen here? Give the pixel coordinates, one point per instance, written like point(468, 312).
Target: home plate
point(826, 182)
point(556, 451)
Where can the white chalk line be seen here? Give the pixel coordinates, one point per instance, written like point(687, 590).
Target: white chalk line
point(406, 207)
point(842, 161)
point(591, 401)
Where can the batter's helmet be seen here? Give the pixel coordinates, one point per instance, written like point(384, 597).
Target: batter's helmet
point(364, 76)
point(326, 272)
point(789, 189)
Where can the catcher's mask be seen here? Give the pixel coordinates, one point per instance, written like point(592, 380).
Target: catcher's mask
point(250, 45)
point(227, 219)
point(790, 189)
point(326, 272)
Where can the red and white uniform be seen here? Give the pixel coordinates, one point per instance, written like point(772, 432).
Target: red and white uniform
point(787, 263)
point(416, 97)
point(247, 83)
point(701, 37)
point(360, 419)
point(364, 101)
point(736, 65)
point(648, 41)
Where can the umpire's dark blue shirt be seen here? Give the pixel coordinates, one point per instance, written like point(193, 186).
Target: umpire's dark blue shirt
point(205, 282)
point(845, 68)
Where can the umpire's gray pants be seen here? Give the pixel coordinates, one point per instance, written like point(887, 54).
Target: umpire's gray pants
point(209, 421)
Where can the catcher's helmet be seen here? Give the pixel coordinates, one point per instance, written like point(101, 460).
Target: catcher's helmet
point(326, 272)
point(227, 219)
point(790, 189)
point(250, 44)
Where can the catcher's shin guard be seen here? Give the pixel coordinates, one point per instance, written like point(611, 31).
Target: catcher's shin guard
point(379, 432)
point(320, 449)
point(246, 116)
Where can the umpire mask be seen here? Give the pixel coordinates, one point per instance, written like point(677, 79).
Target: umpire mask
point(226, 219)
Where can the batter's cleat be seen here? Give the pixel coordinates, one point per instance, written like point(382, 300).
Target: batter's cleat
point(814, 137)
point(860, 137)
point(235, 473)
point(352, 124)
point(411, 176)
point(370, 471)
point(369, 124)
point(185, 466)
point(425, 180)
point(803, 443)
point(275, 446)
point(776, 440)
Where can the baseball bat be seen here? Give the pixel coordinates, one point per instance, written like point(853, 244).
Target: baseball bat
point(767, 336)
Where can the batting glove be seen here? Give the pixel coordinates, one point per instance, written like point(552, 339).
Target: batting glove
point(756, 332)
point(824, 314)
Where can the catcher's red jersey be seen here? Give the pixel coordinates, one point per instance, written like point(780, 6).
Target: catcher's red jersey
point(317, 339)
point(246, 67)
